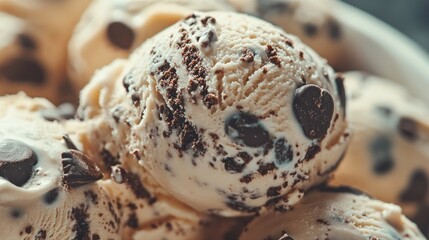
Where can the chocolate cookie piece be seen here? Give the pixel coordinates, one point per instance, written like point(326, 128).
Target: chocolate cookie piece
point(246, 129)
point(313, 107)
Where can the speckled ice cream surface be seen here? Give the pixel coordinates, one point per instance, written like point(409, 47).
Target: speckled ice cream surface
point(230, 122)
point(111, 29)
point(389, 155)
point(105, 132)
point(334, 213)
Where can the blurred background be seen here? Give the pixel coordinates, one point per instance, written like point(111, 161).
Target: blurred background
point(409, 17)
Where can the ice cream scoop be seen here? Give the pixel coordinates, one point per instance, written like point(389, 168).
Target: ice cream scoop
point(112, 29)
point(334, 213)
point(388, 156)
point(313, 21)
point(231, 115)
point(33, 40)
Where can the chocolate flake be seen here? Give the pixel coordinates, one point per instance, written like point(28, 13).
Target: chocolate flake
point(133, 180)
point(69, 143)
point(81, 227)
point(312, 151)
point(283, 151)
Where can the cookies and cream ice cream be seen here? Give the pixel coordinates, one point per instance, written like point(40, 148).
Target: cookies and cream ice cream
point(112, 29)
point(388, 156)
point(334, 213)
point(231, 115)
point(45, 181)
point(104, 130)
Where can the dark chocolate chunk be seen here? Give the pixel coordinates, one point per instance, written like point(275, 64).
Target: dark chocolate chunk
point(283, 151)
point(245, 128)
point(26, 41)
point(309, 29)
point(382, 159)
point(69, 143)
point(408, 128)
point(16, 161)
point(24, 70)
point(78, 169)
point(41, 235)
point(51, 196)
point(334, 29)
point(28, 229)
point(274, 191)
point(421, 218)
point(232, 166)
point(417, 189)
point(339, 82)
point(133, 180)
point(312, 151)
point(266, 168)
point(120, 35)
point(108, 159)
point(313, 107)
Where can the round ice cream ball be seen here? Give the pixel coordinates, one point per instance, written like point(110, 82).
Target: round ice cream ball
point(334, 213)
point(33, 40)
point(313, 21)
point(389, 152)
point(104, 132)
point(112, 29)
point(231, 115)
